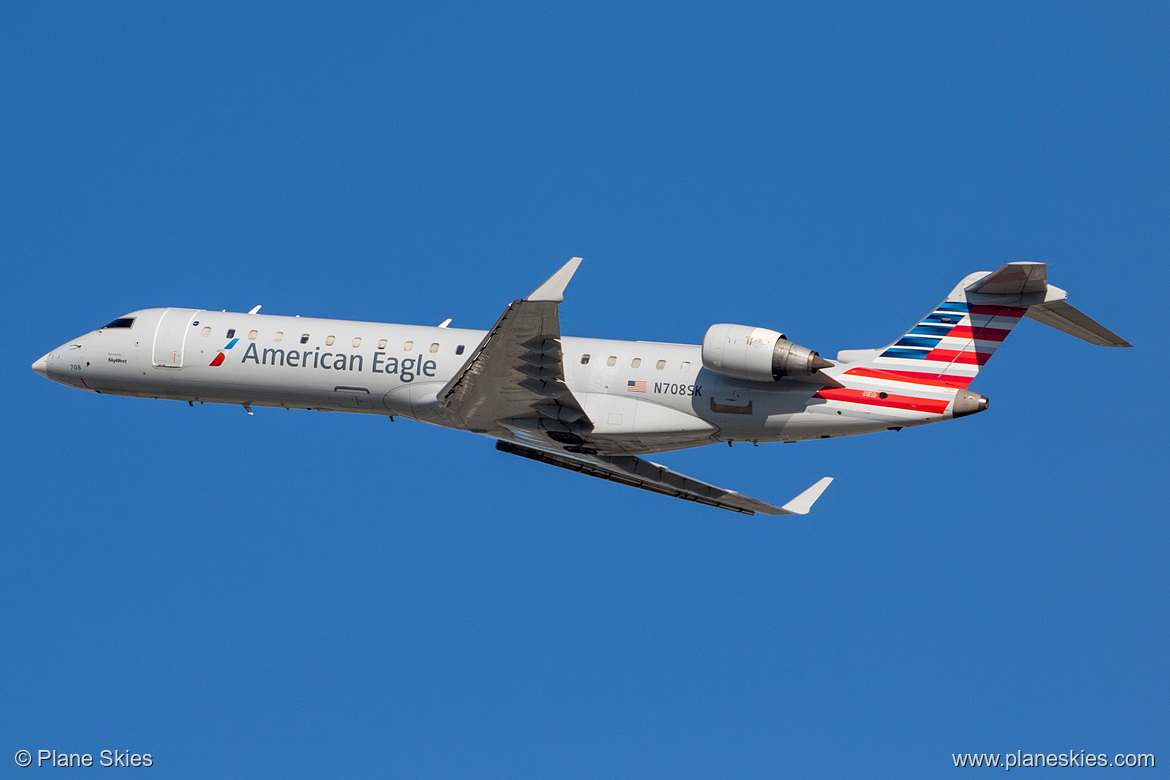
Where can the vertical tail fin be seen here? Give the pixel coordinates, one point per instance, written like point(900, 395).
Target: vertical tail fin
point(951, 343)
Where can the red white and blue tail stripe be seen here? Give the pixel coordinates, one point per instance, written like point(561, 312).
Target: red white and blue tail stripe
point(949, 346)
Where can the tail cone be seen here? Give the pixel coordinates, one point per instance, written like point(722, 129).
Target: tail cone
point(967, 403)
point(819, 362)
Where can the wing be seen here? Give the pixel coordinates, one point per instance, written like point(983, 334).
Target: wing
point(514, 384)
point(643, 474)
point(517, 371)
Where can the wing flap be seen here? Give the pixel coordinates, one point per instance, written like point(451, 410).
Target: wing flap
point(642, 474)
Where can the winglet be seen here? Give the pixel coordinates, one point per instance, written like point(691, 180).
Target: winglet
point(554, 289)
point(802, 503)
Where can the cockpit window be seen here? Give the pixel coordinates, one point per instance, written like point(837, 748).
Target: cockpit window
point(121, 322)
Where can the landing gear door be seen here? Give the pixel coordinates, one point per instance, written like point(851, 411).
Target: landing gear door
point(170, 336)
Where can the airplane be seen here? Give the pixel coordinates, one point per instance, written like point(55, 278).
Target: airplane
point(587, 405)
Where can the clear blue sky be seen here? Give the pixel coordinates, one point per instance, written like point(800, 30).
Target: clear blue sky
point(305, 594)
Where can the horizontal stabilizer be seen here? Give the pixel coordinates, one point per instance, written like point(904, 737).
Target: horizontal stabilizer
point(1067, 318)
point(1013, 279)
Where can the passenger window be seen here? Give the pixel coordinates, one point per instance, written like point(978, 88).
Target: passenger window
point(408, 346)
point(304, 338)
point(661, 364)
point(357, 342)
point(459, 350)
point(381, 343)
point(686, 366)
point(278, 336)
point(635, 362)
point(231, 333)
point(205, 332)
point(252, 335)
point(434, 348)
point(329, 341)
point(612, 360)
point(584, 359)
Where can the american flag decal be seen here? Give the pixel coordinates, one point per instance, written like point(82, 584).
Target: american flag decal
point(638, 386)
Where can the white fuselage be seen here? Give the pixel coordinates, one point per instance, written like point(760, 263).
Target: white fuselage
point(641, 396)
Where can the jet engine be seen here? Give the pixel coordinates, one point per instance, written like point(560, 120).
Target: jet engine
point(757, 354)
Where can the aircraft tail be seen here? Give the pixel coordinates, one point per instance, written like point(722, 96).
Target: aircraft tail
point(949, 346)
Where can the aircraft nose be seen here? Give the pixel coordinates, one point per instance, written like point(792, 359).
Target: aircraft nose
point(41, 366)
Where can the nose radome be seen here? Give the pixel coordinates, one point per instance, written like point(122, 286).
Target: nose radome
point(41, 366)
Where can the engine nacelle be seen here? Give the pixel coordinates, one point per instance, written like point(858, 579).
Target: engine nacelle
point(757, 354)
